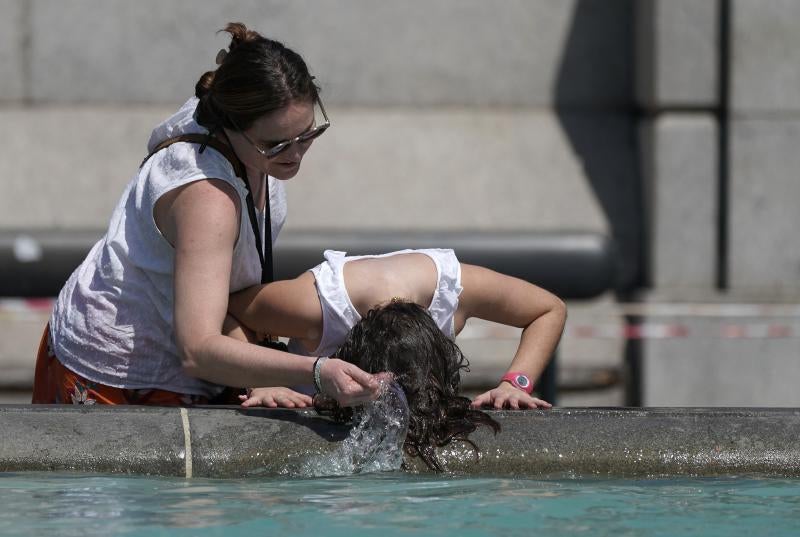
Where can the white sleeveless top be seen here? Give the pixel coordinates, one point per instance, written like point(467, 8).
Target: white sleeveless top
point(339, 315)
point(113, 320)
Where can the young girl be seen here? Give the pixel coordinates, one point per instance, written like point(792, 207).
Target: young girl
point(318, 310)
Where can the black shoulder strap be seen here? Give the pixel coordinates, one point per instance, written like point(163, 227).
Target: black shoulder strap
point(238, 168)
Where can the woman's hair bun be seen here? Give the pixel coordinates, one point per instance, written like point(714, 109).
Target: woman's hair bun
point(241, 35)
point(203, 85)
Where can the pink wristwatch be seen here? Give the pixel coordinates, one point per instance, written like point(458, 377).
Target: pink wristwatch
point(519, 381)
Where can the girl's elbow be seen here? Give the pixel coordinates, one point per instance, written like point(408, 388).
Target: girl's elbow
point(560, 308)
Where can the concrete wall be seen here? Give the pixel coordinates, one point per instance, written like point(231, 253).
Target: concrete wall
point(677, 87)
point(722, 78)
point(626, 117)
point(444, 52)
point(12, 58)
point(446, 114)
point(681, 204)
point(765, 133)
point(521, 115)
point(677, 53)
point(717, 82)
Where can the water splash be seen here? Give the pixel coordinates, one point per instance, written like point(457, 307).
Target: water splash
point(375, 443)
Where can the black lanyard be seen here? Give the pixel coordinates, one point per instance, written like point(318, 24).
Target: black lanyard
point(226, 151)
point(265, 257)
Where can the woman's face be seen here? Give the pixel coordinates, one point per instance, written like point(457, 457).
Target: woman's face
point(271, 129)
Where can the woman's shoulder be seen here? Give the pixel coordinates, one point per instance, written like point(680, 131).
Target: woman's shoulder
point(181, 163)
point(184, 160)
point(181, 122)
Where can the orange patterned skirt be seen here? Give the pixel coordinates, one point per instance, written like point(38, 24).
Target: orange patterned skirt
point(55, 384)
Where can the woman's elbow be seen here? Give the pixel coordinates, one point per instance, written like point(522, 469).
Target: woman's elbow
point(191, 357)
point(190, 364)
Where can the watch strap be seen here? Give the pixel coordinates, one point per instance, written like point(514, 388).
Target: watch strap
point(521, 381)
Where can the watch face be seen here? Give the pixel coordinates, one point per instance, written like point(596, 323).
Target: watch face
point(523, 381)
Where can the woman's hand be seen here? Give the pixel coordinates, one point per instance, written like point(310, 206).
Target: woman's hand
point(507, 396)
point(274, 397)
point(346, 383)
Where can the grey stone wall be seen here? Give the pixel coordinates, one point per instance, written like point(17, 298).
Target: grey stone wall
point(446, 114)
point(498, 108)
point(765, 134)
point(522, 115)
point(677, 87)
point(717, 84)
point(677, 53)
point(11, 51)
point(680, 172)
point(416, 53)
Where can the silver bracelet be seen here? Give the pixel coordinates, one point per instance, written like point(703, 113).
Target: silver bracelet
point(317, 370)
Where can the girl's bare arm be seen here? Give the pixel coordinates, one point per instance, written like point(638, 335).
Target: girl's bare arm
point(288, 308)
point(504, 299)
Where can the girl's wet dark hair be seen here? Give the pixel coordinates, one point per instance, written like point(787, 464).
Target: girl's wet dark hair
point(256, 76)
point(401, 337)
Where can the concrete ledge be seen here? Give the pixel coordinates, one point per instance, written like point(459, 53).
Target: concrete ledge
point(231, 442)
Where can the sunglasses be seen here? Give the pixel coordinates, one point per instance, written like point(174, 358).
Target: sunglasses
point(279, 147)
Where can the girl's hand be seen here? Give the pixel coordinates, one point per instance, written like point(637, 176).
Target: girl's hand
point(346, 383)
point(507, 396)
point(275, 397)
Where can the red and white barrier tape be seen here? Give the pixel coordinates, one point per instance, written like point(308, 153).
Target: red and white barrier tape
point(25, 308)
point(653, 330)
point(649, 330)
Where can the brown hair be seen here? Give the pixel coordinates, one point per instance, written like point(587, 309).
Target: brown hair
point(256, 76)
point(401, 337)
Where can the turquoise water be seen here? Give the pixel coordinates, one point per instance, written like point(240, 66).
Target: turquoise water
point(395, 504)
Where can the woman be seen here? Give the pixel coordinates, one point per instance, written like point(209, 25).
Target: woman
point(140, 320)
point(321, 307)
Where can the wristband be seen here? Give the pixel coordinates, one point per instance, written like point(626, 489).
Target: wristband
point(519, 381)
point(317, 370)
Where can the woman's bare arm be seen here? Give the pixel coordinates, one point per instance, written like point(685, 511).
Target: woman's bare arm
point(201, 221)
point(504, 299)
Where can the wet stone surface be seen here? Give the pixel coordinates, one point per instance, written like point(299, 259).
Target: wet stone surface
point(233, 442)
